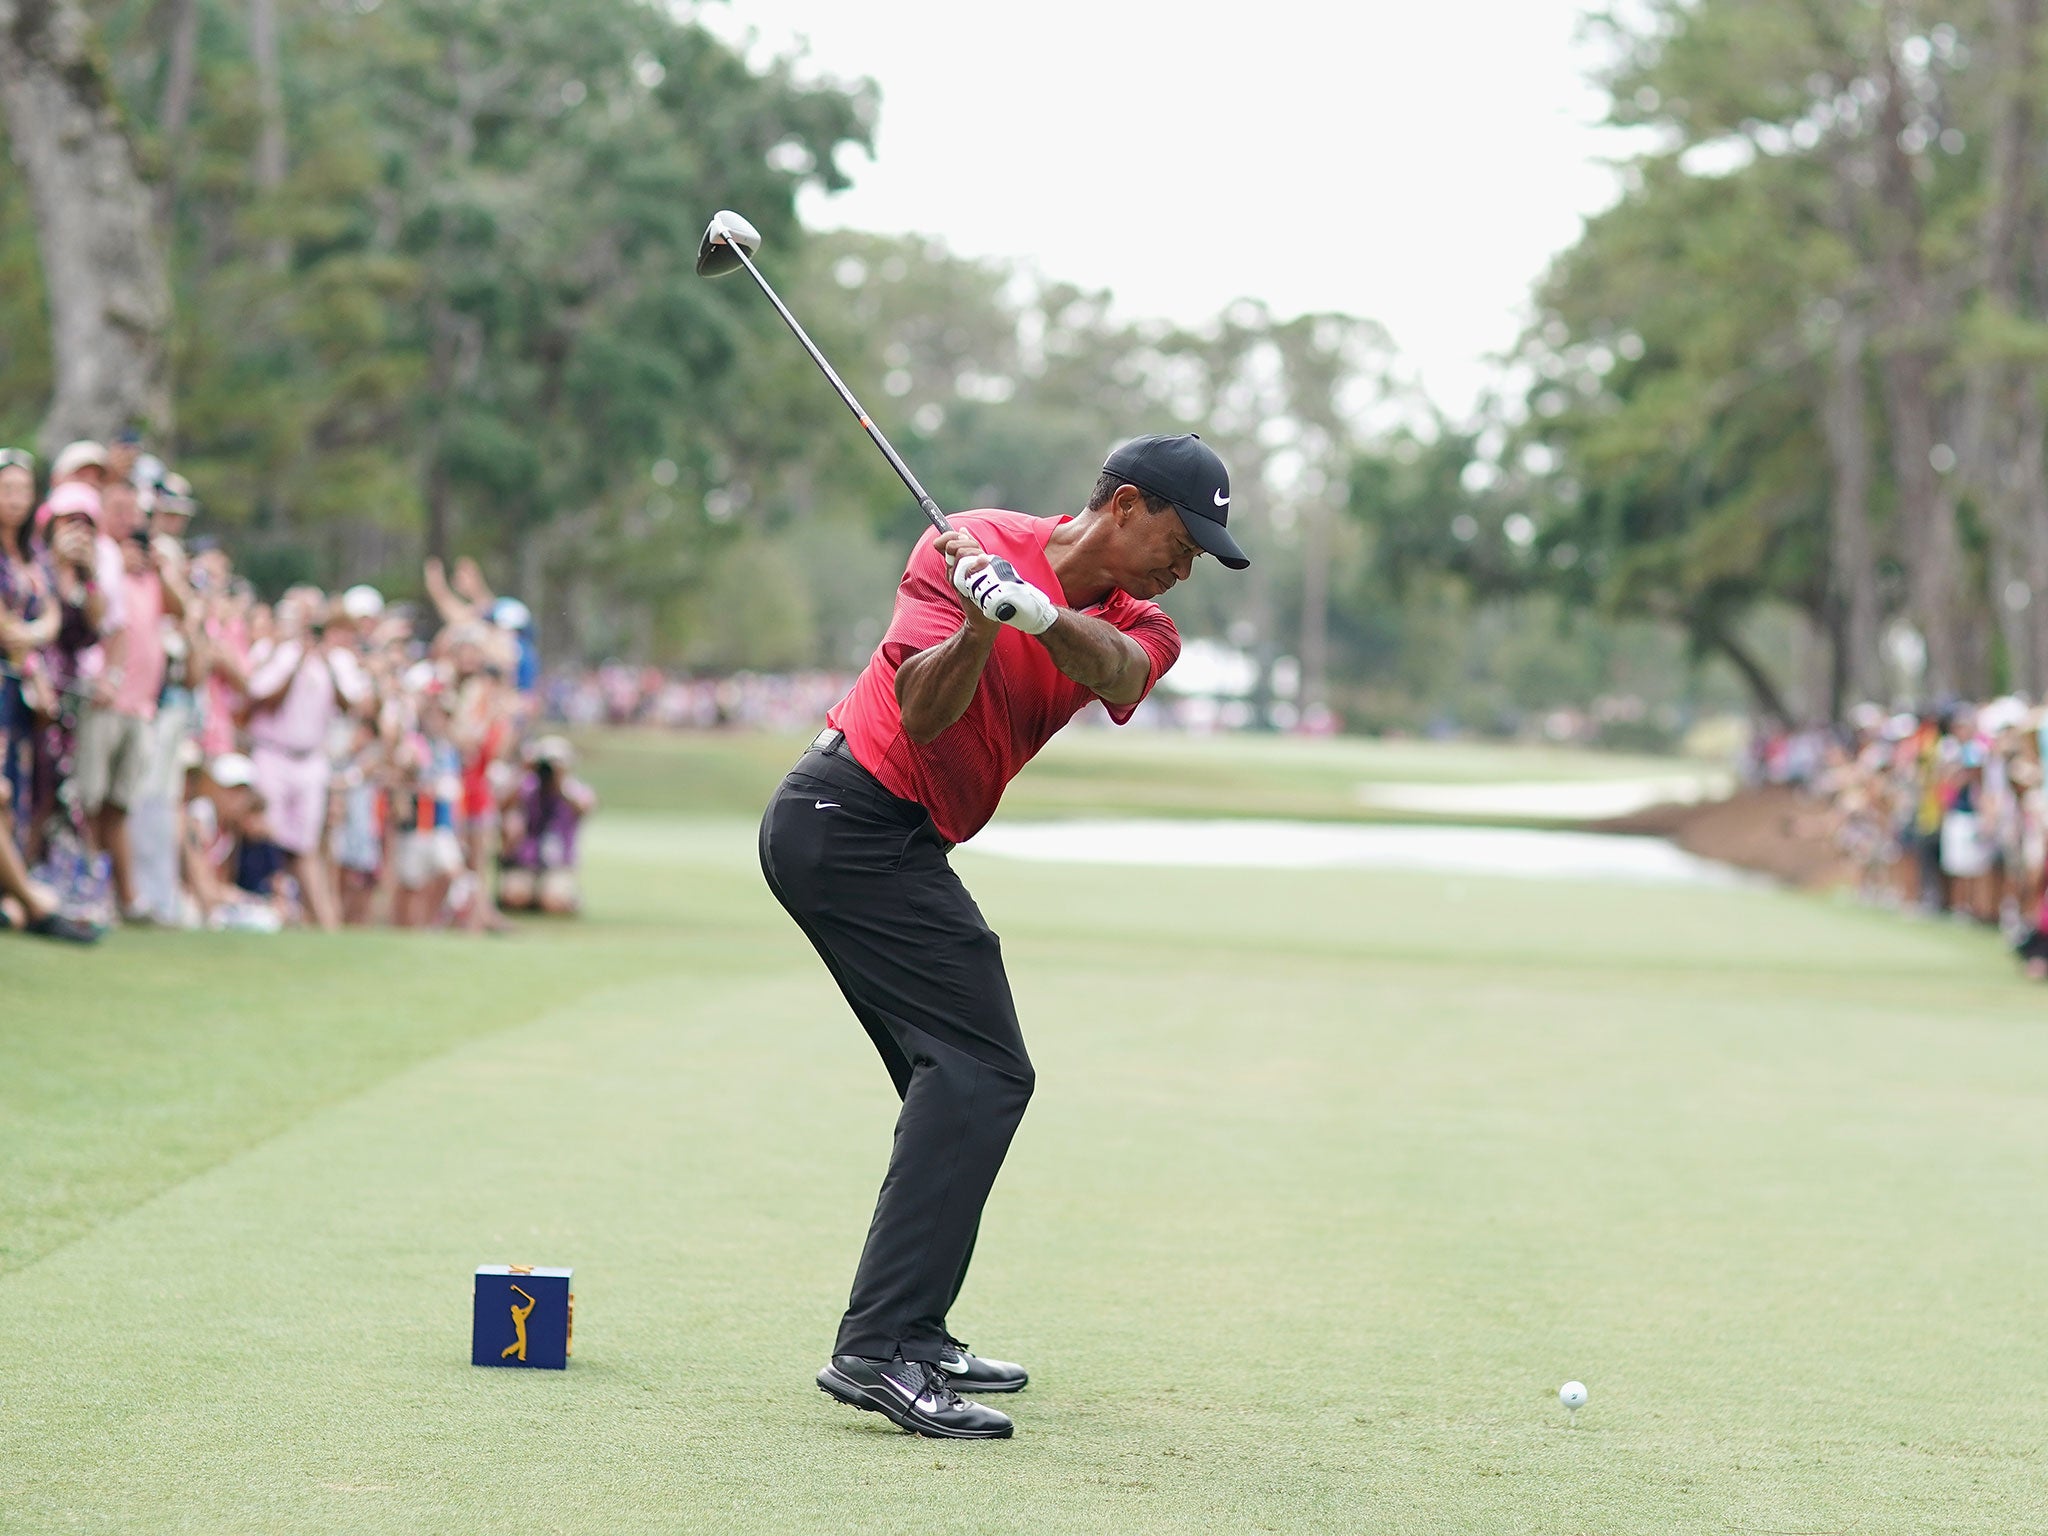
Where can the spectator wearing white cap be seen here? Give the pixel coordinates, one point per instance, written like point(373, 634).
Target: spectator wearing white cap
point(357, 614)
point(362, 604)
point(516, 619)
point(220, 807)
point(84, 461)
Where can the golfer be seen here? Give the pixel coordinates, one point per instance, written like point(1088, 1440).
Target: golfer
point(1005, 628)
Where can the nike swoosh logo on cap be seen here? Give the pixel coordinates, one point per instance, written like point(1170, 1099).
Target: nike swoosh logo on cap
point(1222, 500)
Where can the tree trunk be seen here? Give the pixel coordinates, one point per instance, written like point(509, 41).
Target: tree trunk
point(1929, 544)
point(103, 271)
point(1993, 413)
point(1315, 604)
point(175, 110)
point(2030, 494)
point(533, 586)
point(440, 504)
point(2014, 632)
point(455, 349)
point(268, 168)
point(1762, 687)
point(1852, 557)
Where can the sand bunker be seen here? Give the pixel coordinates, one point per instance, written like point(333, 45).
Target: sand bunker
point(1323, 845)
point(1581, 800)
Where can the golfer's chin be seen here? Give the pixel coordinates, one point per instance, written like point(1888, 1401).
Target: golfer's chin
point(1158, 586)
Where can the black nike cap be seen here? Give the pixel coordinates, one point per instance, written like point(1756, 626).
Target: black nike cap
point(1185, 471)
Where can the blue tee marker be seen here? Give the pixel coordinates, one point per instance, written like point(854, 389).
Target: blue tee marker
point(524, 1317)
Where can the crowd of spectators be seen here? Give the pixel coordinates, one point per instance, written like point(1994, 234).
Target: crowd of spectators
point(1941, 811)
point(175, 751)
point(618, 693)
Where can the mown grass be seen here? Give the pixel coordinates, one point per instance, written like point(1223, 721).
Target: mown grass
point(1331, 1179)
point(1109, 772)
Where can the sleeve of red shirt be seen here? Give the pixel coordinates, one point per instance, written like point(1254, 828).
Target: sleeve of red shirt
point(1160, 642)
point(926, 610)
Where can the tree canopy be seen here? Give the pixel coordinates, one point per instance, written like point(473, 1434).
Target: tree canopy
point(430, 267)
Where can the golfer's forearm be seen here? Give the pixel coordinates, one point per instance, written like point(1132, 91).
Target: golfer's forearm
point(1098, 656)
point(934, 687)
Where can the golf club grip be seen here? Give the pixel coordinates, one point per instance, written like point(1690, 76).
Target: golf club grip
point(1008, 573)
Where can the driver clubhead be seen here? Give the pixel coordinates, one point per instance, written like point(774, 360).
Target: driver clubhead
point(716, 256)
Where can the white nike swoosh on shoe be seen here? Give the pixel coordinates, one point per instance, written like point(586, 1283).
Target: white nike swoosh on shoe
point(828, 805)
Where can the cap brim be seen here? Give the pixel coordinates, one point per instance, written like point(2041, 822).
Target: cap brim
point(1214, 538)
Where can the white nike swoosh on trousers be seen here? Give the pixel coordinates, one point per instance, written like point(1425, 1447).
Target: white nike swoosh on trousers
point(828, 805)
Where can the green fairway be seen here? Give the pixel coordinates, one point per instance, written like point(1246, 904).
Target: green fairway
point(1091, 772)
point(1330, 1181)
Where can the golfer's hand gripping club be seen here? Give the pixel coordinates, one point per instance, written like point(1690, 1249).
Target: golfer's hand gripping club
point(994, 587)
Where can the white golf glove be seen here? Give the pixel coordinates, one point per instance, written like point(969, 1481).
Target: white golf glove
point(995, 588)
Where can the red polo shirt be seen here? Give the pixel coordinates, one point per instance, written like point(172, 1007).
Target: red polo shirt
point(1022, 698)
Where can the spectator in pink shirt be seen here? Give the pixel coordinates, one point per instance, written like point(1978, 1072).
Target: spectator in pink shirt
point(117, 737)
point(299, 685)
point(221, 650)
point(85, 463)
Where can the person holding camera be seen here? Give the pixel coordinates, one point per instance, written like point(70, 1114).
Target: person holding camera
point(300, 684)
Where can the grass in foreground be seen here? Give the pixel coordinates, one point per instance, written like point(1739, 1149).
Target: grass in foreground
point(1331, 1180)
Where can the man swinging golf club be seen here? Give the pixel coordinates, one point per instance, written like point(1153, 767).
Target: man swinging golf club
point(1005, 626)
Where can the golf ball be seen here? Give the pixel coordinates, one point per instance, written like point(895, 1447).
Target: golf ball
point(1572, 1394)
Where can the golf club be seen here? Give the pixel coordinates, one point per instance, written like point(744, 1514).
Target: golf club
point(729, 242)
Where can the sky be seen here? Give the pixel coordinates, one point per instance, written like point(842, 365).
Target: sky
point(1416, 163)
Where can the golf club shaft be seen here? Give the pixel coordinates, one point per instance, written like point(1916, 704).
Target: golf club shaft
point(931, 508)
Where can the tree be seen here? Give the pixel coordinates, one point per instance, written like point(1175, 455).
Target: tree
point(103, 272)
point(1835, 398)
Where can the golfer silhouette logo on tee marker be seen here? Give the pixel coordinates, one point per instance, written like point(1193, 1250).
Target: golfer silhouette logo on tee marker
point(519, 1317)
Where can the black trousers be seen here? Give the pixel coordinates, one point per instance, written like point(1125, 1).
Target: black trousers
point(865, 876)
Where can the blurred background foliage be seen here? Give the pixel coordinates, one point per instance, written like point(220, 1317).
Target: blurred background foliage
point(1777, 421)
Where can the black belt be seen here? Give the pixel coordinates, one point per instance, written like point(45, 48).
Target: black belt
point(832, 743)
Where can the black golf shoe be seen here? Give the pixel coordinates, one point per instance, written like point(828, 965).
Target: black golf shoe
point(971, 1373)
point(914, 1394)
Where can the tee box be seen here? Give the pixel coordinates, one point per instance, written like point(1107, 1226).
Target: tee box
point(524, 1316)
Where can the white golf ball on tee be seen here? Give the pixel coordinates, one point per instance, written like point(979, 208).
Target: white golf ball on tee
point(1573, 1395)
